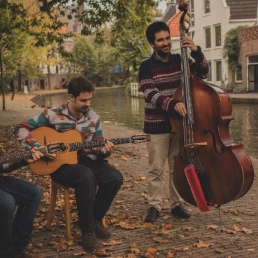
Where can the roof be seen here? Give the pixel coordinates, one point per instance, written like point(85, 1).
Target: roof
point(173, 24)
point(242, 9)
point(170, 11)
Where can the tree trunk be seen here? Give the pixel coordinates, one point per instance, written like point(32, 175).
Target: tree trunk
point(19, 80)
point(48, 77)
point(2, 80)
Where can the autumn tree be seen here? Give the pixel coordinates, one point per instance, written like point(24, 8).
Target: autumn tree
point(126, 22)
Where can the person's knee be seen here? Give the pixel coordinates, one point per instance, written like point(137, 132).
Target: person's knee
point(119, 179)
point(85, 175)
point(37, 193)
point(7, 207)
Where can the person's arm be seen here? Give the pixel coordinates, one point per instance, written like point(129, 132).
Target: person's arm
point(22, 130)
point(10, 167)
point(7, 168)
point(200, 66)
point(151, 93)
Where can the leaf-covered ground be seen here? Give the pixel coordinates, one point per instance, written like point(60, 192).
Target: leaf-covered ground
point(231, 231)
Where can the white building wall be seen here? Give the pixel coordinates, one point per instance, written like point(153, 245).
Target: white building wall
point(219, 14)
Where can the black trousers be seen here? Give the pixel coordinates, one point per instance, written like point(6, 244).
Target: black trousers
point(96, 184)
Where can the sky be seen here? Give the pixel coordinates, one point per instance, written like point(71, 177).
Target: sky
point(162, 6)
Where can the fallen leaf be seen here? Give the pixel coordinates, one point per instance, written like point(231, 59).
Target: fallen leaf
point(201, 244)
point(79, 253)
point(247, 231)
point(58, 246)
point(126, 225)
point(188, 228)
point(236, 228)
point(103, 252)
point(213, 227)
point(150, 253)
point(160, 240)
point(133, 249)
point(169, 254)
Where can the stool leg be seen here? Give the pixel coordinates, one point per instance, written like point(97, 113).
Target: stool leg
point(52, 205)
point(67, 213)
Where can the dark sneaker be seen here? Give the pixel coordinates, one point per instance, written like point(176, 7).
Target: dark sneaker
point(90, 242)
point(101, 232)
point(180, 212)
point(152, 215)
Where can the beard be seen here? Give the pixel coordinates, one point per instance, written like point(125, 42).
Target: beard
point(162, 53)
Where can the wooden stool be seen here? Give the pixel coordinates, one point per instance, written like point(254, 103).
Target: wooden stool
point(54, 188)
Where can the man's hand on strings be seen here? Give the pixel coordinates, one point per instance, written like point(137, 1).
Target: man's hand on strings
point(36, 155)
point(180, 108)
point(109, 146)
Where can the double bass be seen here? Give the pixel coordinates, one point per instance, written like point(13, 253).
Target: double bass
point(210, 169)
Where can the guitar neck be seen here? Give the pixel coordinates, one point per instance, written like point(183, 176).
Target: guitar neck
point(93, 144)
point(15, 157)
point(19, 156)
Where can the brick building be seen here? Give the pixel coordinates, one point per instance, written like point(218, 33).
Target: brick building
point(248, 58)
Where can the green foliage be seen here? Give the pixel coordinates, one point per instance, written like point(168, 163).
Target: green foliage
point(118, 28)
point(231, 48)
point(97, 12)
point(85, 56)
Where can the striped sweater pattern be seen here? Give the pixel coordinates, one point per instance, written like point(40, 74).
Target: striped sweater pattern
point(159, 81)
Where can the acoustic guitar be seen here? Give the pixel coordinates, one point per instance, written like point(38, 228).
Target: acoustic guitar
point(65, 145)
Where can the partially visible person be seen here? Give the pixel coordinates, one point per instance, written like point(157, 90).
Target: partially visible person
point(160, 77)
point(19, 202)
point(95, 181)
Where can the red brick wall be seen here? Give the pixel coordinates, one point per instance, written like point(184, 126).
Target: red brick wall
point(249, 47)
point(248, 34)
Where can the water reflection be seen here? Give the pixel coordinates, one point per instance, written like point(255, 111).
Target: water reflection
point(244, 126)
point(119, 108)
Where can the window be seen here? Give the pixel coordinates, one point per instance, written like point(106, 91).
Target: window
point(207, 6)
point(209, 77)
point(208, 37)
point(192, 12)
point(218, 35)
point(218, 71)
point(253, 59)
point(238, 73)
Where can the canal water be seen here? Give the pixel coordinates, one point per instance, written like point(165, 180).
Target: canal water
point(119, 108)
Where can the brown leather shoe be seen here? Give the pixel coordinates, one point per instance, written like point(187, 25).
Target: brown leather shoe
point(90, 242)
point(26, 254)
point(101, 232)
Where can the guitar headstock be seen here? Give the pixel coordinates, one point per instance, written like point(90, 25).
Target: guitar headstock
point(138, 138)
point(56, 147)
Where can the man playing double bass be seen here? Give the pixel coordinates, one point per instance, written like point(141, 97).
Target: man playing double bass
point(160, 77)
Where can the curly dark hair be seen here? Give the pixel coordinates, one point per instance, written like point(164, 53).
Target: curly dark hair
point(155, 27)
point(79, 84)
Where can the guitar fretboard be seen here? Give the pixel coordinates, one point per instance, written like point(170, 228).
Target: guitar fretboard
point(93, 144)
point(19, 156)
point(15, 157)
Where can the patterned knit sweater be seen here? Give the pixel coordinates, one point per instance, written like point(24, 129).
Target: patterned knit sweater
point(60, 119)
point(159, 81)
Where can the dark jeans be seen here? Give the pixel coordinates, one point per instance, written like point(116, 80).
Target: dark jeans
point(96, 184)
point(15, 231)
